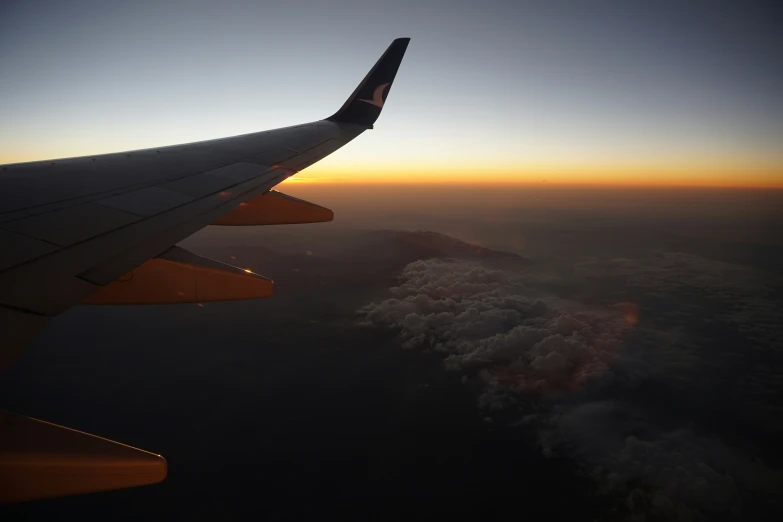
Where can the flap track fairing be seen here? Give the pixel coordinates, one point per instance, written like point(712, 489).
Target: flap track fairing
point(179, 276)
point(275, 208)
point(43, 460)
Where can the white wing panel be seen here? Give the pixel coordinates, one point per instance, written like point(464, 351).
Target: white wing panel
point(199, 185)
point(147, 201)
point(310, 156)
point(72, 225)
point(238, 172)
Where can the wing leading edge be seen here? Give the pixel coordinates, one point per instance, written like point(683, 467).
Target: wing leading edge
point(77, 230)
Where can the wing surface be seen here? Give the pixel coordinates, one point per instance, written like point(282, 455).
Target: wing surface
point(70, 227)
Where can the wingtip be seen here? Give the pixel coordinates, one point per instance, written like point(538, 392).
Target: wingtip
point(404, 41)
point(364, 106)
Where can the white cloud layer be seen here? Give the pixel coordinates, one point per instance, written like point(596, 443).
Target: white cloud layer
point(576, 361)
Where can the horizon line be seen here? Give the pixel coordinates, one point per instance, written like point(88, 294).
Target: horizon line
point(525, 183)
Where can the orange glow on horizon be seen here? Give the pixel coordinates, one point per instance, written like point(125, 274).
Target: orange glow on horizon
point(730, 172)
point(686, 176)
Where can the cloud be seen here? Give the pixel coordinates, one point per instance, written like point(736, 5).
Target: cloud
point(483, 318)
point(615, 384)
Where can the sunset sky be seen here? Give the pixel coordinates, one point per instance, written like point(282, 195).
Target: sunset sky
point(618, 92)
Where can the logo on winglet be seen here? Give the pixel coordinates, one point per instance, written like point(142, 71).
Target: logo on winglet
point(377, 96)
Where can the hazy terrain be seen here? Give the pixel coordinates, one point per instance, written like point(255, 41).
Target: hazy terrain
point(486, 352)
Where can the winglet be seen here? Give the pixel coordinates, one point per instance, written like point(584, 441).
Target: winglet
point(364, 106)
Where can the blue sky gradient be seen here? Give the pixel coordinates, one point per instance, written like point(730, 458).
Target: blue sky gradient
point(510, 86)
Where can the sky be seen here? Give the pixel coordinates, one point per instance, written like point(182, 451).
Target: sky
point(617, 92)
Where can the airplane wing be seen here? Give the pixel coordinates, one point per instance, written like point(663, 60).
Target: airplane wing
point(103, 229)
